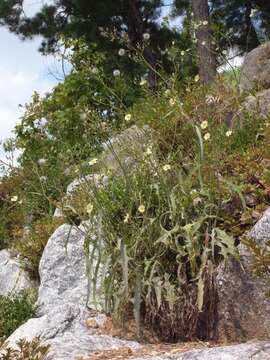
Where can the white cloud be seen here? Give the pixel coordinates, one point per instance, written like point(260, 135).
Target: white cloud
point(23, 70)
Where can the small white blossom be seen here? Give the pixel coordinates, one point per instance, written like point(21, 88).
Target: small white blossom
point(197, 78)
point(93, 161)
point(146, 36)
point(167, 167)
point(172, 102)
point(148, 151)
point(204, 124)
point(128, 117)
point(205, 22)
point(94, 70)
point(143, 82)
point(207, 136)
point(116, 73)
point(182, 53)
point(141, 209)
point(167, 93)
point(14, 198)
point(42, 161)
point(228, 133)
point(121, 52)
point(43, 178)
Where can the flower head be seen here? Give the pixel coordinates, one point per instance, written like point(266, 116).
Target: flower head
point(116, 73)
point(94, 70)
point(121, 52)
point(205, 22)
point(148, 151)
point(204, 124)
point(143, 82)
point(14, 198)
point(172, 102)
point(93, 161)
point(182, 53)
point(141, 209)
point(197, 78)
point(128, 117)
point(166, 167)
point(228, 133)
point(146, 36)
point(207, 136)
point(167, 93)
point(42, 161)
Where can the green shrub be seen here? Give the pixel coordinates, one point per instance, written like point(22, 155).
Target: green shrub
point(15, 309)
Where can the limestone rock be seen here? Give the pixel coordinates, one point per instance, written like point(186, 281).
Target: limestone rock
point(256, 69)
point(253, 351)
point(261, 230)
point(258, 104)
point(244, 308)
point(124, 150)
point(62, 311)
point(12, 276)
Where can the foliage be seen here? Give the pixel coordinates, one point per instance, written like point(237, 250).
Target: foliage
point(30, 245)
point(15, 309)
point(27, 350)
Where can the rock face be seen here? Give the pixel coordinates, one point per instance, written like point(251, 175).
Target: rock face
point(12, 277)
point(252, 351)
point(62, 311)
point(256, 69)
point(122, 151)
point(244, 309)
point(258, 104)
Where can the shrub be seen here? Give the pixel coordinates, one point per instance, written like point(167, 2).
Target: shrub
point(31, 245)
point(15, 309)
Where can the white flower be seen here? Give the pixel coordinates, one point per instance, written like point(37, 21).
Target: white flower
point(207, 136)
point(89, 209)
point(83, 116)
point(182, 53)
point(143, 82)
point(14, 198)
point(148, 151)
point(204, 124)
point(94, 70)
point(116, 73)
point(167, 167)
point(93, 161)
point(126, 218)
point(203, 43)
point(172, 102)
point(43, 178)
point(224, 52)
point(146, 36)
point(128, 117)
point(197, 78)
point(121, 52)
point(141, 209)
point(167, 93)
point(228, 133)
point(42, 161)
point(205, 22)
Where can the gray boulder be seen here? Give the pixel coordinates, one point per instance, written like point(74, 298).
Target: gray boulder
point(258, 104)
point(13, 278)
point(244, 308)
point(62, 313)
point(255, 72)
point(248, 351)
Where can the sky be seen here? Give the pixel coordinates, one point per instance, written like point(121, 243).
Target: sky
point(23, 70)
